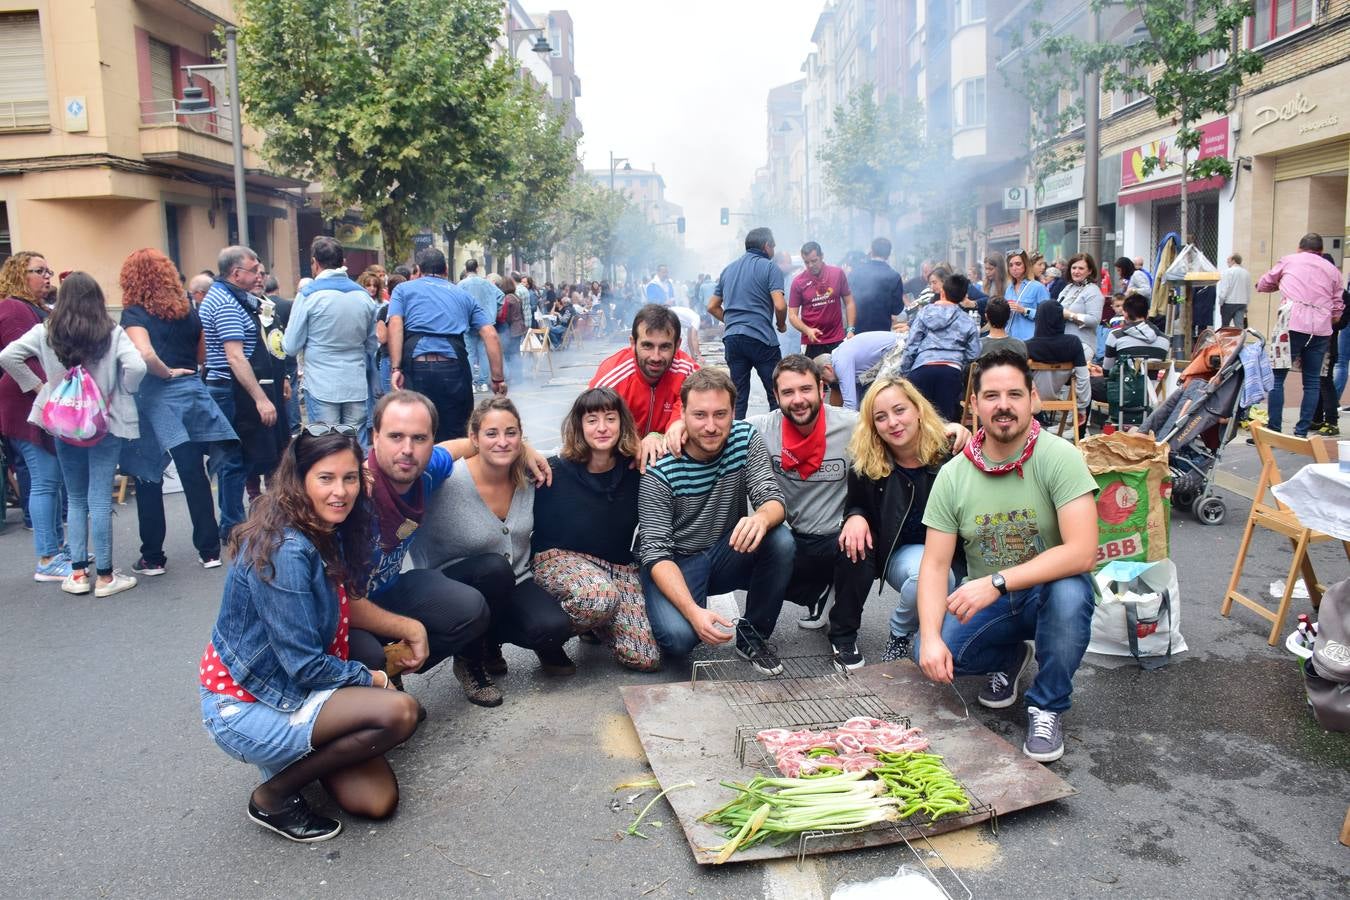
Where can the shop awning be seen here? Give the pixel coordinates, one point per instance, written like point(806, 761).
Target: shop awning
point(1166, 190)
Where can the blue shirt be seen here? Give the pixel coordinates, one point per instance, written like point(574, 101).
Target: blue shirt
point(432, 305)
point(746, 288)
point(223, 319)
point(385, 566)
point(333, 322)
point(1023, 325)
point(488, 295)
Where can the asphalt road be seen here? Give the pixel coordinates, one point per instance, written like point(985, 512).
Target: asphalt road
point(1205, 779)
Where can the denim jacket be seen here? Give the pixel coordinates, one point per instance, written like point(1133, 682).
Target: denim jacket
point(274, 636)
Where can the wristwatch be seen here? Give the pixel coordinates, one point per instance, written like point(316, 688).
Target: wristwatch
point(999, 582)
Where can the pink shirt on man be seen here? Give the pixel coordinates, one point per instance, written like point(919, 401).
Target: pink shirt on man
point(819, 300)
point(1312, 285)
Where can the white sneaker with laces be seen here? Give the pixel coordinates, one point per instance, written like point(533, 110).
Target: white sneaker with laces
point(118, 584)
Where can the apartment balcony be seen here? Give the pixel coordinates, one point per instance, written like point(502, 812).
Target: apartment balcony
point(199, 142)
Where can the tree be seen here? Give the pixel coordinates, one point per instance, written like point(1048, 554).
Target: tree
point(389, 104)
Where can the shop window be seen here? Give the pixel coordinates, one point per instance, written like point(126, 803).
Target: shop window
point(1276, 18)
point(969, 103)
point(23, 73)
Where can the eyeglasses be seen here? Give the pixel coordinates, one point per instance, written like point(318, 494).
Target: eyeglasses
point(48, 272)
point(1018, 252)
point(319, 429)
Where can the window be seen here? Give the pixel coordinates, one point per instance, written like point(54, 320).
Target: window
point(161, 74)
point(968, 12)
point(173, 216)
point(969, 103)
point(23, 74)
point(1122, 98)
point(1211, 60)
point(1276, 18)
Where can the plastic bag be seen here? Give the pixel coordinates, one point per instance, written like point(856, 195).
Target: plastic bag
point(1189, 260)
point(907, 882)
point(1139, 613)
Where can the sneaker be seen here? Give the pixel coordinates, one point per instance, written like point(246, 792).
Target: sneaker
point(148, 568)
point(846, 656)
point(55, 569)
point(1045, 735)
point(478, 687)
point(1001, 691)
point(296, 821)
point(758, 652)
point(555, 661)
point(493, 661)
point(1328, 429)
point(117, 585)
point(818, 613)
point(897, 649)
point(211, 562)
point(76, 583)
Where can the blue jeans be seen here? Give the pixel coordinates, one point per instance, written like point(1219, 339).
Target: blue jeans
point(743, 354)
point(355, 412)
point(477, 357)
point(1310, 350)
point(88, 473)
point(1057, 615)
point(764, 574)
point(227, 466)
point(1340, 372)
point(293, 404)
point(192, 476)
point(44, 496)
point(902, 574)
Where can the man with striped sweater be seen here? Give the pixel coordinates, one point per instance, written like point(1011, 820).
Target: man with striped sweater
point(695, 538)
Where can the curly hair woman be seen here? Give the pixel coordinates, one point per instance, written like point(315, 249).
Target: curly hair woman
point(178, 417)
point(277, 688)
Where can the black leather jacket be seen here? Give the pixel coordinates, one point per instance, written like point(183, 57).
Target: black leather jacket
point(885, 504)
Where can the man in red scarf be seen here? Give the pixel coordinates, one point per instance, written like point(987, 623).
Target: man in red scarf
point(1021, 502)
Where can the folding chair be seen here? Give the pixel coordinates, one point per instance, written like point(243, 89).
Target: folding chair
point(1281, 520)
point(1068, 408)
point(969, 417)
point(571, 335)
point(535, 342)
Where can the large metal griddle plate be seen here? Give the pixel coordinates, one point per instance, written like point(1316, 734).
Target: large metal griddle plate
point(688, 731)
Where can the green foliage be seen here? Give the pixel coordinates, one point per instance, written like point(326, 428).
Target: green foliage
point(541, 164)
point(392, 105)
point(1043, 73)
point(877, 150)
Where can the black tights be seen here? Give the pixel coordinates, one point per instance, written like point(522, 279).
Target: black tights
point(355, 728)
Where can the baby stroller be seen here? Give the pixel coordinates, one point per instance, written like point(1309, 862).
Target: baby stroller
point(1200, 417)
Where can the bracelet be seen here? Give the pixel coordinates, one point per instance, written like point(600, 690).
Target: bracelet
point(499, 381)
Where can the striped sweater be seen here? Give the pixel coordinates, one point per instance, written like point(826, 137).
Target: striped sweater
point(685, 506)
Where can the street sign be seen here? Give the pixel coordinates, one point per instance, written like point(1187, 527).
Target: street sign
point(1015, 197)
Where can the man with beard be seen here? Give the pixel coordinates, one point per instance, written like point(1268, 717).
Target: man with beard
point(820, 303)
point(648, 375)
point(694, 536)
point(1021, 502)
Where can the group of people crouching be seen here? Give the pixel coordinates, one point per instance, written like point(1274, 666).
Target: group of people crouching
point(621, 542)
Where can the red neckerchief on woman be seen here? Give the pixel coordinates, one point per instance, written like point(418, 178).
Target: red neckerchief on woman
point(804, 452)
point(975, 453)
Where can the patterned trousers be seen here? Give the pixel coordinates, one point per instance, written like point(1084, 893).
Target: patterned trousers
point(604, 598)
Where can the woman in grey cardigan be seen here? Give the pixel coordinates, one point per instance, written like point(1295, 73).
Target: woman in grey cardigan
point(79, 332)
point(1082, 301)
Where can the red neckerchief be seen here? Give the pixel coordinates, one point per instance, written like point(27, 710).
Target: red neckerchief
point(975, 447)
point(803, 453)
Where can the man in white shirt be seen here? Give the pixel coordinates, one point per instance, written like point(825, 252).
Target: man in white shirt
point(1234, 293)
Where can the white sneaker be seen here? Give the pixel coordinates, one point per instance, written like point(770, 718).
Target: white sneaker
point(817, 615)
point(118, 584)
point(72, 585)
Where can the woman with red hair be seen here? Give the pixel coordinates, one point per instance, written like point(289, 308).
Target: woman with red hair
point(178, 417)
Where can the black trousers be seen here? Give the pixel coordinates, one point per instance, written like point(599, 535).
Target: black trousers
point(523, 614)
point(942, 385)
point(812, 567)
point(455, 616)
point(448, 386)
point(187, 459)
point(853, 581)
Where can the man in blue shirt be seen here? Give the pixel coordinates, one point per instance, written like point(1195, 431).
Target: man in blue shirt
point(661, 289)
point(428, 320)
point(489, 296)
point(748, 300)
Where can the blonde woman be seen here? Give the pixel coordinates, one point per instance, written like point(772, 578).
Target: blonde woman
point(897, 447)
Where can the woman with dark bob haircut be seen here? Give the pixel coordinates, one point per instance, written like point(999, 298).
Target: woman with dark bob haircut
point(591, 570)
point(277, 687)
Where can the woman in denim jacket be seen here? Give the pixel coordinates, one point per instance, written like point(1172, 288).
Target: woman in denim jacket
point(277, 688)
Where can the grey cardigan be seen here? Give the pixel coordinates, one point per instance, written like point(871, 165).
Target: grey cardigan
point(117, 373)
point(458, 524)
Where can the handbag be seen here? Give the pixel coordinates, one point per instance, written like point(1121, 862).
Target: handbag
point(1139, 613)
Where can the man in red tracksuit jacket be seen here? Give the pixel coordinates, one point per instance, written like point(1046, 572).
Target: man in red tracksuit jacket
point(648, 375)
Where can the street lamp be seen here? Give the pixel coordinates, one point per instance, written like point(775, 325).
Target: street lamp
point(541, 44)
point(806, 161)
point(627, 167)
point(194, 103)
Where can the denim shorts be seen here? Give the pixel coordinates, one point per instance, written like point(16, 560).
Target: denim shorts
point(256, 733)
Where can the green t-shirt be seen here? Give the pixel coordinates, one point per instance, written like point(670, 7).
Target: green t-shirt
point(1004, 520)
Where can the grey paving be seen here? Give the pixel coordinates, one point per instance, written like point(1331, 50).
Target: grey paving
point(1204, 779)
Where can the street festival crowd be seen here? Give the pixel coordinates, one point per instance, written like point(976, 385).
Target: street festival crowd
point(397, 524)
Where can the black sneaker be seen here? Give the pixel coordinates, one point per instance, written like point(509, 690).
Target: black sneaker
point(817, 614)
point(478, 687)
point(758, 652)
point(296, 821)
point(1001, 691)
point(555, 661)
point(846, 656)
point(897, 648)
point(149, 567)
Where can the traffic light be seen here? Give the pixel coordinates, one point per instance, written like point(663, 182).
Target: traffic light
point(726, 215)
point(679, 224)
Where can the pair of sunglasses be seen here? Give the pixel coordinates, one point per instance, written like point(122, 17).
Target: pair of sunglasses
point(319, 429)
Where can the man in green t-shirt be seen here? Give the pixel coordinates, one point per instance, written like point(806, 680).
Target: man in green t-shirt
point(1021, 501)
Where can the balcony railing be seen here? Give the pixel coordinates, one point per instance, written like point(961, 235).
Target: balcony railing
point(160, 112)
point(18, 115)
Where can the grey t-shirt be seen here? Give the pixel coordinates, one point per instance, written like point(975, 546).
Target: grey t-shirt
point(458, 524)
point(816, 505)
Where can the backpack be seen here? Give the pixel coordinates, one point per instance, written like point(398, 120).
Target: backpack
point(502, 311)
point(76, 411)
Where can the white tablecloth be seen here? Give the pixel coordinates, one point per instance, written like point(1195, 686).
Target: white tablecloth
point(1319, 494)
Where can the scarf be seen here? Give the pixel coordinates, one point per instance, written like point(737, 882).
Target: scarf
point(804, 453)
point(975, 453)
point(398, 516)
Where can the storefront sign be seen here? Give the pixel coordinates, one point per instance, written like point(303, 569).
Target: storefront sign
point(1061, 187)
point(1005, 230)
point(1285, 112)
point(1015, 197)
point(1213, 142)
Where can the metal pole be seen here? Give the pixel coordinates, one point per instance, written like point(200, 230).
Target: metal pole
point(1090, 234)
point(237, 127)
point(609, 249)
point(806, 168)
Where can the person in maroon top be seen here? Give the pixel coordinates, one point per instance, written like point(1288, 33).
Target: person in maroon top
point(25, 280)
point(820, 303)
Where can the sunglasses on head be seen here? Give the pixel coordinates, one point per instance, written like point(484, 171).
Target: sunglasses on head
point(319, 429)
point(1018, 252)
